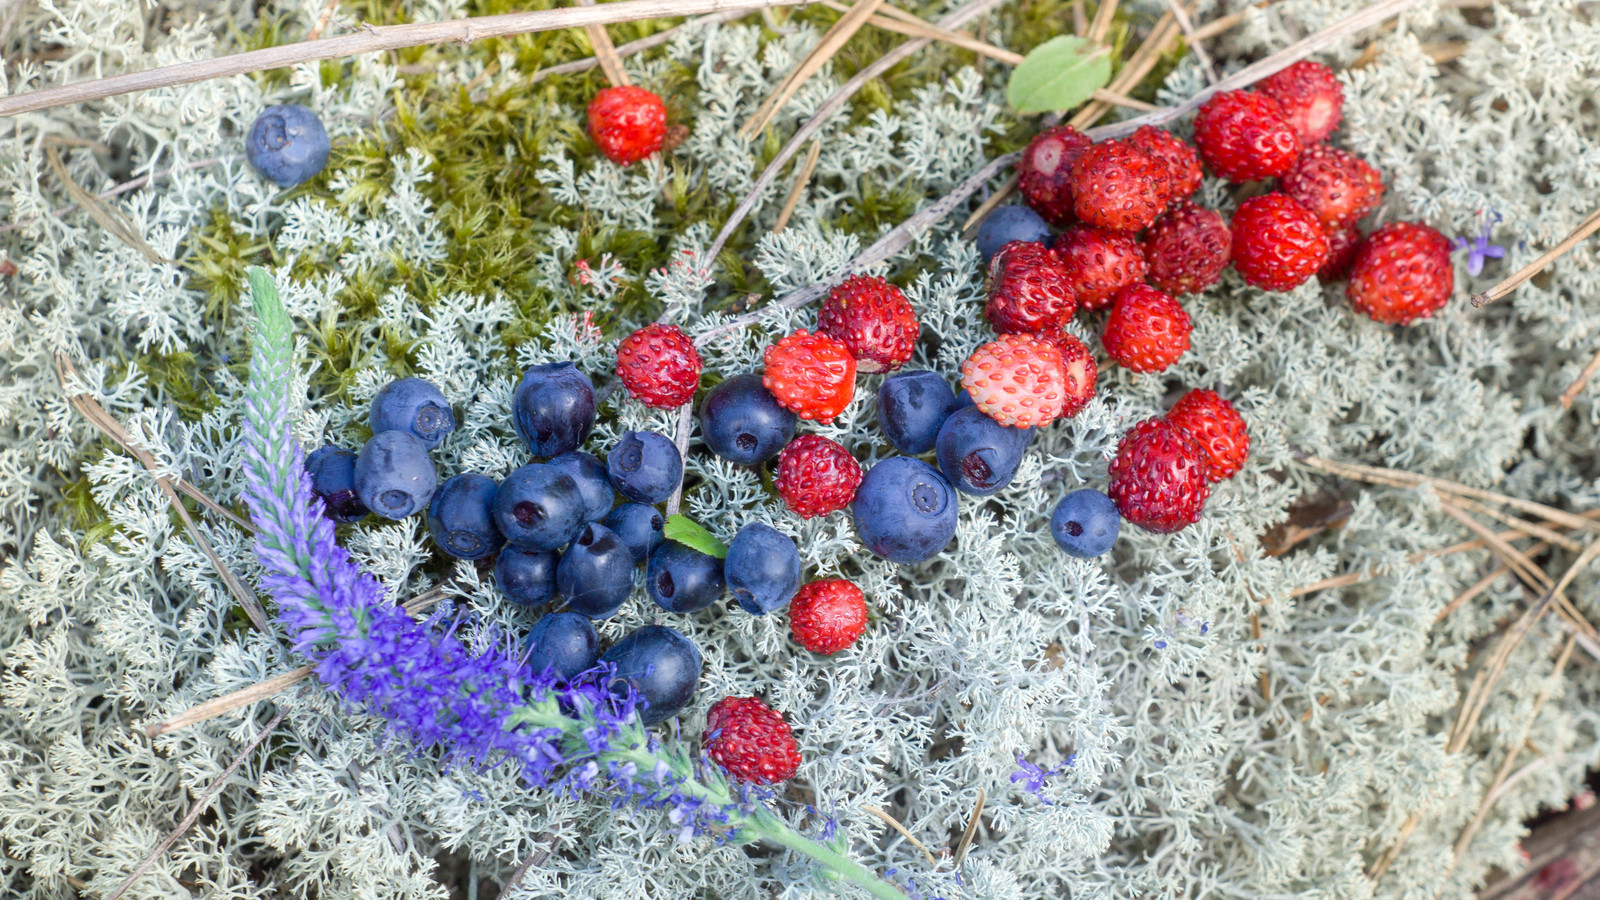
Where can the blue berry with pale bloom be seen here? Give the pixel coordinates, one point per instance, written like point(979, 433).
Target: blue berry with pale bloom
point(977, 454)
point(1085, 523)
point(288, 144)
point(905, 511)
point(681, 579)
point(553, 408)
point(911, 407)
point(1007, 224)
point(742, 422)
point(461, 516)
point(762, 568)
point(527, 577)
point(661, 665)
point(416, 406)
point(394, 476)
point(645, 467)
point(593, 484)
point(640, 526)
point(539, 507)
point(333, 480)
point(564, 644)
point(596, 572)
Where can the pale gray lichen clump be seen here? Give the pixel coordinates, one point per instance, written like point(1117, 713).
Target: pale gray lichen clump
point(1184, 780)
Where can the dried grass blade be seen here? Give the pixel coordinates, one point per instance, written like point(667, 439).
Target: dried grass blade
point(892, 822)
point(1195, 46)
point(1104, 14)
point(911, 26)
point(605, 52)
point(104, 214)
point(801, 179)
point(972, 828)
point(836, 37)
point(1585, 228)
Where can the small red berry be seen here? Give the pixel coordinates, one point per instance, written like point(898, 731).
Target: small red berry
point(1118, 187)
point(1079, 367)
point(1402, 273)
point(1216, 428)
point(1342, 247)
point(816, 476)
point(1187, 248)
point(1157, 479)
point(750, 740)
point(1028, 289)
point(871, 317)
point(810, 375)
point(659, 366)
point(1277, 243)
point(1338, 187)
point(1310, 97)
point(827, 616)
point(1243, 137)
point(1179, 159)
point(1044, 172)
point(1099, 263)
point(1147, 330)
point(627, 123)
point(1017, 380)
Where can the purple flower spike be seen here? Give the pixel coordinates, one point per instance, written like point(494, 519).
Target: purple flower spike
point(1481, 249)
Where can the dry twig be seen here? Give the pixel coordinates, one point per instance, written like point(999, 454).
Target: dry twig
point(971, 830)
point(1585, 228)
point(894, 19)
point(801, 179)
point(639, 46)
point(832, 42)
point(894, 823)
point(1195, 46)
point(1570, 395)
point(323, 20)
point(605, 52)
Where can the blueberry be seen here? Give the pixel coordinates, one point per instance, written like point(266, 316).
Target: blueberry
point(640, 527)
point(964, 399)
point(414, 405)
point(905, 511)
point(287, 144)
point(564, 643)
point(646, 467)
point(593, 485)
point(681, 579)
point(539, 507)
point(661, 665)
point(977, 454)
point(596, 572)
point(911, 407)
point(1085, 523)
point(763, 568)
point(333, 480)
point(527, 577)
point(742, 423)
point(394, 476)
point(461, 516)
point(553, 408)
point(1007, 224)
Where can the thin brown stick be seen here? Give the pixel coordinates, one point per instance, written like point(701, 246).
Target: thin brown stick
point(1104, 14)
point(895, 824)
point(536, 858)
point(322, 20)
point(1386, 859)
point(605, 52)
point(1353, 578)
point(1467, 595)
point(1223, 23)
point(1080, 18)
point(1588, 226)
point(1001, 194)
point(1198, 49)
point(104, 214)
point(1570, 395)
point(371, 39)
point(1531, 529)
point(832, 42)
point(639, 46)
point(199, 806)
point(1105, 96)
point(801, 179)
point(129, 185)
point(971, 829)
point(915, 27)
point(1132, 72)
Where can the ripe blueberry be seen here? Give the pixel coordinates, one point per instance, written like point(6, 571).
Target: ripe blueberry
point(742, 423)
point(1085, 523)
point(593, 485)
point(527, 577)
point(563, 643)
point(461, 516)
point(287, 144)
point(979, 455)
point(1007, 224)
point(539, 507)
point(394, 476)
point(416, 406)
point(333, 481)
point(661, 665)
point(646, 467)
point(681, 579)
point(762, 568)
point(596, 572)
point(911, 407)
point(905, 511)
point(640, 527)
point(553, 408)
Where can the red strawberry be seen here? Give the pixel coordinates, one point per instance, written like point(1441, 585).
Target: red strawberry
point(1277, 243)
point(1044, 172)
point(1216, 428)
point(816, 476)
point(1028, 289)
point(627, 123)
point(744, 736)
point(1158, 478)
point(1187, 248)
point(1017, 379)
point(1402, 273)
point(810, 375)
point(1118, 187)
point(659, 366)
point(1342, 247)
point(1098, 263)
point(1243, 137)
point(1337, 187)
point(1182, 164)
point(871, 317)
point(827, 616)
point(1310, 97)
point(1147, 330)
point(1078, 364)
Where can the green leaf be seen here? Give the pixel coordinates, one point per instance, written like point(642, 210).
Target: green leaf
point(688, 532)
point(1058, 75)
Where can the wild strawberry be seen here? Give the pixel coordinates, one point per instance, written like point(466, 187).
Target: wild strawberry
point(1017, 379)
point(1216, 428)
point(1098, 263)
point(1338, 187)
point(627, 123)
point(1342, 247)
point(810, 375)
point(1277, 243)
point(1078, 365)
point(1147, 330)
point(659, 366)
point(1243, 137)
point(816, 476)
point(1118, 187)
point(1044, 172)
point(871, 317)
point(744, 736)
point(1158, 478)
point(1028, 289)
point(1187, 248)
point(827, 616)
point(1180, 160)
point(1310, 97)
point(1402, 272)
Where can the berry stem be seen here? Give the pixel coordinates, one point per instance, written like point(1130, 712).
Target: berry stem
point(770, 827)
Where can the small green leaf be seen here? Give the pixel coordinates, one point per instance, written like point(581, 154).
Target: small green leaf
point(688, 532)
point(1058, 75)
